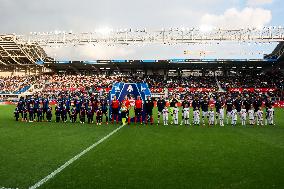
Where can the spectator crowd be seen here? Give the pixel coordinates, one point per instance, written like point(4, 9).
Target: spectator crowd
point(54, 85)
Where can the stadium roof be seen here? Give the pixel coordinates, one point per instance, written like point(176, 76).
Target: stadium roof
point(21, 50)
point(13, 52)
point(164, 36)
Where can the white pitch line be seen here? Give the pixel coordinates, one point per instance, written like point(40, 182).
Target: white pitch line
point(58, 170)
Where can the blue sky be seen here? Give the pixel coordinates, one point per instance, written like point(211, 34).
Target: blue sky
point(26, 16)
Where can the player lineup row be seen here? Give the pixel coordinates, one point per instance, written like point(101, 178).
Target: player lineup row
point(86, 112)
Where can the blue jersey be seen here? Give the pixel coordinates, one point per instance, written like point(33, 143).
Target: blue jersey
point(86, 102)
point(83, 111)
point(49, 111)
point(45, 103)
point(28, 103)
point(77, 105)
point(36, 103)
point(32, 101)
point(21, 104)
point(31, 111)
point(67, 103)
point(25, 110)
point(16, 112)
point(60, 103)
point(82, 101)
point(57, 111)
point(90, 111)
point(63, 111)
point(104, 105)
point(39, 112)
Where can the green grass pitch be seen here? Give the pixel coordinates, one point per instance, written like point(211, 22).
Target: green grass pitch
point(141, 157)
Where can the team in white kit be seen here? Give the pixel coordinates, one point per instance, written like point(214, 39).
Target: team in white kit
point(217, 116)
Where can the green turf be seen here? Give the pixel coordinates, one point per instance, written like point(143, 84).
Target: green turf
point(141, 156)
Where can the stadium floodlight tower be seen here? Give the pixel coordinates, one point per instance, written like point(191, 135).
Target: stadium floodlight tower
point(164, 36)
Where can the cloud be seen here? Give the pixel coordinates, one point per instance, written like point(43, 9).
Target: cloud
point(87, 15)
point(233, 18)
point(258, 2)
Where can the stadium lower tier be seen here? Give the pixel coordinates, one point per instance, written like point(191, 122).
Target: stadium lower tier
point(55, 84)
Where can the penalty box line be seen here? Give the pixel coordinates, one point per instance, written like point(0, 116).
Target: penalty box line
point(70, 161)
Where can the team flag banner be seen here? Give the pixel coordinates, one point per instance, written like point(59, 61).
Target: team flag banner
point(120, 90)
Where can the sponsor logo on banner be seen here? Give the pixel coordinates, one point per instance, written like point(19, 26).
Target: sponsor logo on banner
point(130, 89)
point(252, 89)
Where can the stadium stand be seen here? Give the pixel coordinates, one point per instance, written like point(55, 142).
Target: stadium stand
point(268, 80)
point(15, 85)
point(55, 84)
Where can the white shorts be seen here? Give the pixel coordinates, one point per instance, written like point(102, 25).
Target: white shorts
point(165, 118)
point(229, 114)
point(204, 114)
point(186, 114)
point(196, 119)
point(175, 116)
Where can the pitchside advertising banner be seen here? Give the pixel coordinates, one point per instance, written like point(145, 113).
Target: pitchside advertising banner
point(181, 89)
point(263, 90)
point(177, 89)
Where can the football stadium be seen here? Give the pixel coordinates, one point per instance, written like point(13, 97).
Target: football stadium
point(142, 94)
